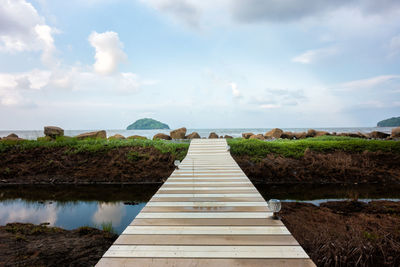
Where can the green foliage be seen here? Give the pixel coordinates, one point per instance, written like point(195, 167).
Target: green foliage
point(295, 148)
point(74, 146)
point(108, 227)
point(392, 122)
point(147, 124)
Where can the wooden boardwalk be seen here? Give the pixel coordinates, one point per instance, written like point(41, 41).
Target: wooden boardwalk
point(207, 213)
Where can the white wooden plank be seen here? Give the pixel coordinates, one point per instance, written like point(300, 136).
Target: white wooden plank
point(207, 204)
point(207, 195)
point(206, 230)
point(276, 252)
point(194, 215)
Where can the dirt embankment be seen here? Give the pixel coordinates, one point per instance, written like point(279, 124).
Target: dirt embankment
point(347, 233)
point(148, 165)
point(58, 165)
point(335, 167)
point(37, 245)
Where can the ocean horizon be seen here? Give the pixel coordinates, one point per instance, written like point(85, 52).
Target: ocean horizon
point(203, 132)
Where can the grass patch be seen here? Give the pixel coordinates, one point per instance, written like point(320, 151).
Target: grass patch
point(257, 149)
point(74, 146)
point(108, 227)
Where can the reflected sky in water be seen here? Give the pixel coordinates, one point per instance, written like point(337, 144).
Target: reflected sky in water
point(70, 215)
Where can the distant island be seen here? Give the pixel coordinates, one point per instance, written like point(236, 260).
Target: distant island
point(392, 122)
point(147, 124)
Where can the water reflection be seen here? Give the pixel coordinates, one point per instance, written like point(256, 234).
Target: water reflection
point(71, 207)
point(69, 215)
point(21, 211)
point(109, 212)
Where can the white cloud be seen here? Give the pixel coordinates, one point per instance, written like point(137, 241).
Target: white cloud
point(192, 12)
point(368, 83)
point(394, 46)
point(22, 29)
point(235, 92)
point(109, 51)
point(311, 56)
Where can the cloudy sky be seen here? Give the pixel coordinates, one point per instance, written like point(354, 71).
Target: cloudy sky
point(102, 64)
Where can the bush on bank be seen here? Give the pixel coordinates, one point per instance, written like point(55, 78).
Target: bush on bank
point(238, 146)
point(296, 148)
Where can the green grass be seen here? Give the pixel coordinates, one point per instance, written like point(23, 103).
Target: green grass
point(258, 149)
point(108, 227)
point(74, 145)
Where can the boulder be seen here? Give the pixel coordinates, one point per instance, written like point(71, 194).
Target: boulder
point(53, 131)
point(257, 136)
point(300, 135)
point(311, 133)
point(116, 137)
point(395, 132)
point(162, 136)
point(378, 135)
point(321, 133)
point(287, 135)
point(228, 137)
point(96, 134)
point(247, 135)
point(193, 135)
point(274, 133)
point(213, 135)
point(12, 137)
point(137, 137)
point(178, 133)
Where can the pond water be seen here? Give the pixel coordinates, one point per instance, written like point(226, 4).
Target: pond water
point(70, 207)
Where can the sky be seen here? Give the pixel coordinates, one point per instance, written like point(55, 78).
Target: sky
point(102, 64)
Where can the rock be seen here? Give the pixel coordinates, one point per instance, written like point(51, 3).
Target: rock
point(287, 135)
point(178, 133)
point(96, 134)
point(116, 137)
point(378, 135)
point(311, 133)
point(274, 133)
point(193, 135)
point(247, 135)
point(300, 135)
point(321, 133)
point(228, 137)
point(257, 136)
point(137, 137)
point(12, 137)
point(162, 136)
point(53, 131)
point(395, 132)
point(213, 135)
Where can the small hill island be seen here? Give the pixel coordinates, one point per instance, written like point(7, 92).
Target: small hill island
point(147, 124)
point(392, 122)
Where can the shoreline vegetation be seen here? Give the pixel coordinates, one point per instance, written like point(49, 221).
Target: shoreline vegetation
point(91, 158)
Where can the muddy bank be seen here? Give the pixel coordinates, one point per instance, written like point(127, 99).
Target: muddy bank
point(38, 245)
point(347, 233)
point(126, 165)
point(59, 165)
point(335, 167)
